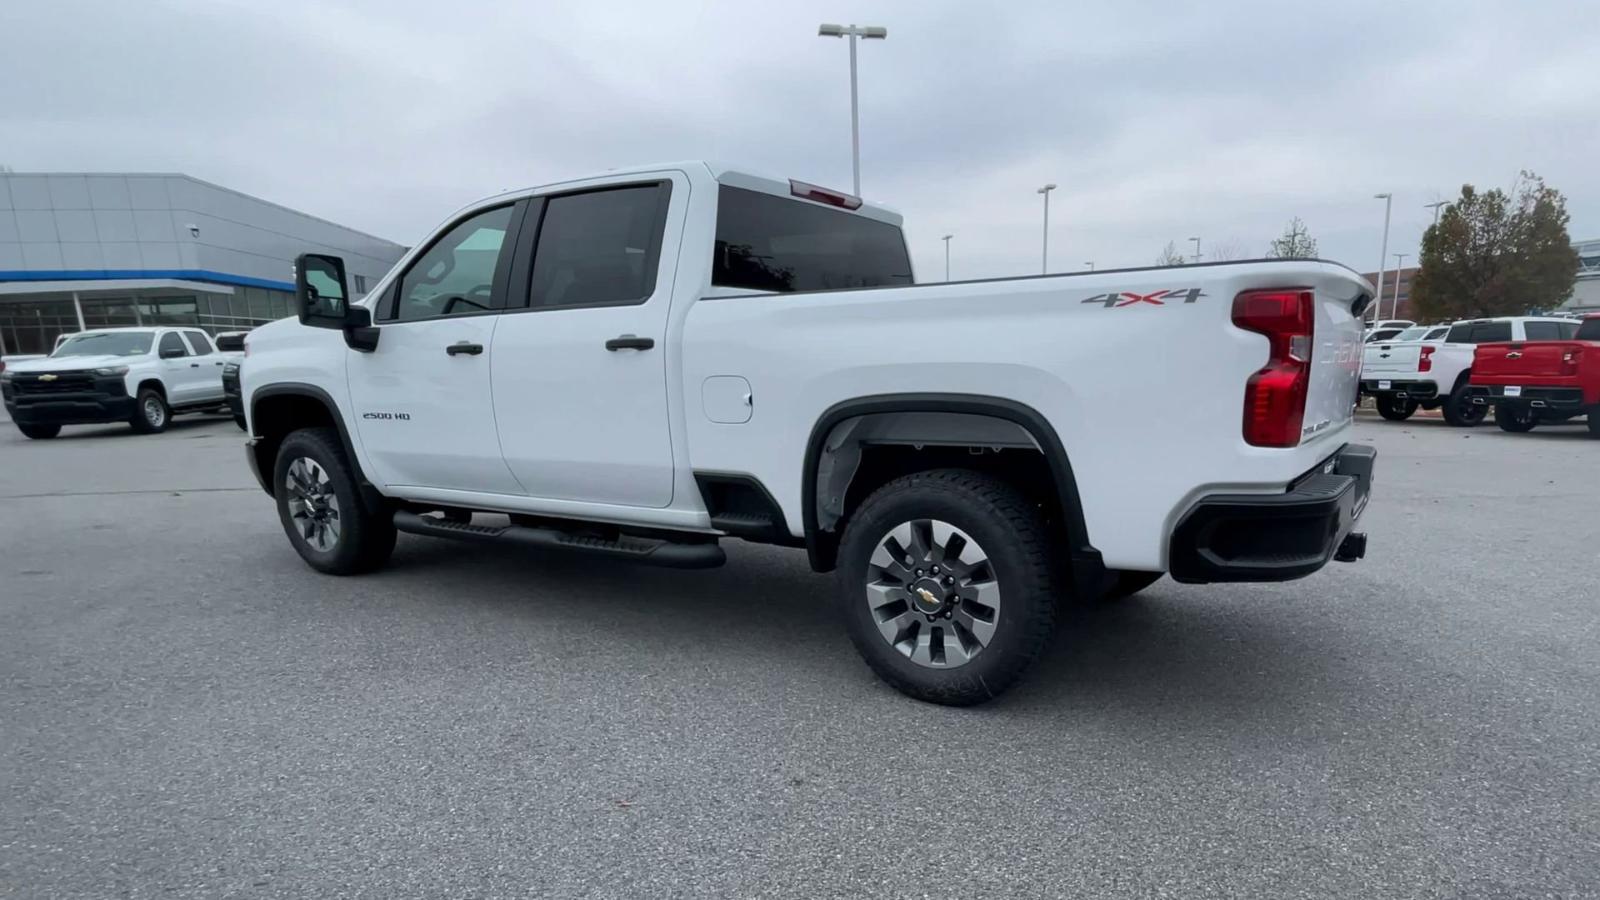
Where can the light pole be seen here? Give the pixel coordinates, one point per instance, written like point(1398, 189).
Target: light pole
point(1399, 266)
point(1383, 254)
point(946, 240)
point(1435, 207)
point(1090, 264)
point(1196, 248)
point(1044, 256)
point(868, 32)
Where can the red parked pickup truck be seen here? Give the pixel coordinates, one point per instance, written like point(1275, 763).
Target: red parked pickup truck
point(1529, 382)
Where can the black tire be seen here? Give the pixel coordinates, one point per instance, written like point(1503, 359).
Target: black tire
point(1516, 419)
point(365, 539)
point(1594, 421)
point(1017, 542)
point(239, 421)
point(39, 432)
point(151, 414)
point(1460, 411)
point(1394, 409)
point(1125, 583)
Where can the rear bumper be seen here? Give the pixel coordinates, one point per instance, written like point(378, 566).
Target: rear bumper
point(1277, 537)
point(1564, 398)
point(1412, 390)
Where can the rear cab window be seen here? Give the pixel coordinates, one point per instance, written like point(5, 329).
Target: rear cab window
point(1589, 330)
point(770, 243)
point(200, 343)
point(1479, 333)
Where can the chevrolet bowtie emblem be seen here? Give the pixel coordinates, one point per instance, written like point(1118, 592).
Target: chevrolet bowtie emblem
point(927, 596)
point(47, 378)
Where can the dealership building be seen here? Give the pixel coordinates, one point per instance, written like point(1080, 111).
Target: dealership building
point(98, 250)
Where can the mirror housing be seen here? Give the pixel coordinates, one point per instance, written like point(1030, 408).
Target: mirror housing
point(321, 295)
point(322, 299)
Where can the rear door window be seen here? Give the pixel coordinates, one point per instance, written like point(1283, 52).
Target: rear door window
point(198, 340)
point(770, 243)
point(599, 248)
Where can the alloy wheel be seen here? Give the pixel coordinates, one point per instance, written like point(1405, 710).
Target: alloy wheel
point(933, 593)
point(313, 505)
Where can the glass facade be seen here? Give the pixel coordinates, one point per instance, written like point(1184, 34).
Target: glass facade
point(31, 324)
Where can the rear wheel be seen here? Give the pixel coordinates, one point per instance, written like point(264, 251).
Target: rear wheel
point(1594, 421)
point(150, 412)
point(321, 509)
point(1394, 409)
point(1460, 411)
point(39, 432)
point(1516, 419)
point(945, 585)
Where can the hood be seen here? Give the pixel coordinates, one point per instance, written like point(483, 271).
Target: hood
point(71, 363)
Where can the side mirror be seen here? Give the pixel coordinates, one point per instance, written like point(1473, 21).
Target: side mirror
point(320, 293)
point(171, 352)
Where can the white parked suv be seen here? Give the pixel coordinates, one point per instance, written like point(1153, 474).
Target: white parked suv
point(1402, 376)
point(639, 365)
point(142, 376)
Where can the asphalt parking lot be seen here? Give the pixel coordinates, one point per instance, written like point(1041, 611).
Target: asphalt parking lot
point(189, 711)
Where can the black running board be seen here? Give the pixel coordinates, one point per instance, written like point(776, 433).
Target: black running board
point(643, 550)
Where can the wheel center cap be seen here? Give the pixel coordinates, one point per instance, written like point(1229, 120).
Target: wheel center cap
point(928, 596)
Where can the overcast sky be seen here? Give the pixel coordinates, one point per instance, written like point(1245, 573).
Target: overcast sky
point(1158, 120)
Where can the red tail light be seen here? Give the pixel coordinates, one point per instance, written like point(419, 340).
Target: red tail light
point(1275, 397)
point(1425, 361)
point(1569, 361)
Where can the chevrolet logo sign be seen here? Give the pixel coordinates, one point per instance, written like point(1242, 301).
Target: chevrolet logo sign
point(47, 378)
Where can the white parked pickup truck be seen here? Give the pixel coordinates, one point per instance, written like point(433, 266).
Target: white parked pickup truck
point(142, 376)
point(641, 364)
point(1402, 376)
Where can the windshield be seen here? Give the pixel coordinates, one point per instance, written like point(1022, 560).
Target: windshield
point(105, 343)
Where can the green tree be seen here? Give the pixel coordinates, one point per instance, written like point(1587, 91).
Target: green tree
point(1494, 254)
point(1296, 242)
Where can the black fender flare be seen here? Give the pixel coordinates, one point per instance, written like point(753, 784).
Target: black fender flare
point(370, 496)
point(822, 548)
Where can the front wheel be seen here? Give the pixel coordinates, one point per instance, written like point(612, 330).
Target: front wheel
point(1516, 419)
point(321, 509)
point(150, 412)
point(945, 585)
point(1460, 411)
point(39, 432)
point(1394, 409)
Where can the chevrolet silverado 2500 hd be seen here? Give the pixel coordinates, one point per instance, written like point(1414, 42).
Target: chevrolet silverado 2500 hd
point(641, 364)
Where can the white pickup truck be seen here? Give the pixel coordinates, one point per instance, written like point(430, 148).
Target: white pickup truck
point(1402, 376)
point(641, 364)
point(142, 376)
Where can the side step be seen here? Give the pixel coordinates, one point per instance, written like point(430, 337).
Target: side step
point(643, 550)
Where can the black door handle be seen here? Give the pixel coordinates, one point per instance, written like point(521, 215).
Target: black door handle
point(464, 347)
point(194, 365)
point(630, 342)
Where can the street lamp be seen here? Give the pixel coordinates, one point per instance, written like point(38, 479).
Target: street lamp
point(1383, 254)
point(1435, 207)
point(1399, 266)
point(1044, 256)
point(1090, 264)
point(1196, 248)
point(946, 240)
point(866, 32)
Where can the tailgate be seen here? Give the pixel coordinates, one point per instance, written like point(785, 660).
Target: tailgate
point(1391, 359)
point(1522, 359)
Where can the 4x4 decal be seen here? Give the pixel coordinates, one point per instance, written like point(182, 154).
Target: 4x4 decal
point(1155, 298)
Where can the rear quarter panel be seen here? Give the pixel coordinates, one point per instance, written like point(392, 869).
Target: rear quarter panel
point(1146, 397)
